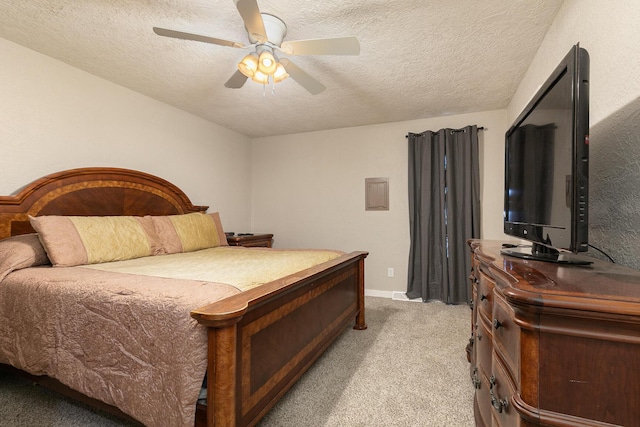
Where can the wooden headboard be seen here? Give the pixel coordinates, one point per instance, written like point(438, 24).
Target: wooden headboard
point(89, 192)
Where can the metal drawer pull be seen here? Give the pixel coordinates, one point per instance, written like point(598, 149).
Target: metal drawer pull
point(475, 380)
point(483, 297)
point(497, 324)
point(497, 403)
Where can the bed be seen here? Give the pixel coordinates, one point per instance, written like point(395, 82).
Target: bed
point(257, 343)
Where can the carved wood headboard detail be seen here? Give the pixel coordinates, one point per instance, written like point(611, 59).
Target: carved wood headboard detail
point(92, 192)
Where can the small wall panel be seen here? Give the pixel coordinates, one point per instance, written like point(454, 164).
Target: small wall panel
point(377, 194)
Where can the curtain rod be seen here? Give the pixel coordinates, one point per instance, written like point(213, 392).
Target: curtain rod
point(452, 130)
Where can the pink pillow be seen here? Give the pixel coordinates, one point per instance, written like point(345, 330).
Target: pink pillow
point(19, 252)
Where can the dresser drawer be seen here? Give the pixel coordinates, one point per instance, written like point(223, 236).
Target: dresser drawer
point(485, 296)
point(483, 348)
point(471, 352)
point(483, 400)
point(506, 334)
point(501, 391)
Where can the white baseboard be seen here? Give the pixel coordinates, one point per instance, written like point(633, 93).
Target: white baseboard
point(381, 294)
point(394, 295)
point(402, 296)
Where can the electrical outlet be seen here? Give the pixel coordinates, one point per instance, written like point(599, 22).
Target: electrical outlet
point(390, 272)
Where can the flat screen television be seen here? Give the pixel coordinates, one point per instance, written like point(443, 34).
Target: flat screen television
point(547, 167)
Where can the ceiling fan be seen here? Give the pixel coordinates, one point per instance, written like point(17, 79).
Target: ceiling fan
point(266, 36)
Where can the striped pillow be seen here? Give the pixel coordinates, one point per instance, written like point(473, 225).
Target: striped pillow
point(80, 240)
point(189, 232)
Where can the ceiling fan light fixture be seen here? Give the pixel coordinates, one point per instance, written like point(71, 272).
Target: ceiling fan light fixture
point(280, 74)
point(267, 63)
point(249, 65)
point(260, 77)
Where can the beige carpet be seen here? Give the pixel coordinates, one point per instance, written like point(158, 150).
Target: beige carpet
point(408, 368)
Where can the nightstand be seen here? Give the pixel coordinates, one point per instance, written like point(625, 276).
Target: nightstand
point(251, 240)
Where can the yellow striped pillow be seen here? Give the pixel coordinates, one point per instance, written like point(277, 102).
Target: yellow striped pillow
point(80, 240)
point(189, 232)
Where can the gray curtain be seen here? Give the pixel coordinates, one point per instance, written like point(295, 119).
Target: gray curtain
point(444, 211)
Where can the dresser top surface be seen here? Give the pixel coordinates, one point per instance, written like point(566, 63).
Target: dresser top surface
point(613, 287)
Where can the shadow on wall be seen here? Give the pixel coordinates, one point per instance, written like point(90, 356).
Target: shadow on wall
point(614, 185)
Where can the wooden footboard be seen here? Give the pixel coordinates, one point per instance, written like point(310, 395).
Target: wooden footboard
point(262, 341)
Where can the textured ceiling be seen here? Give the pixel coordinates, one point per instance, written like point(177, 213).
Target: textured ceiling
point(419, 58)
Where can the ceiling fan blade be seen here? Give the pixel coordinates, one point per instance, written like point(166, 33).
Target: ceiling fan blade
point(303, 79)
point(335, 46)
point(188, 36)
point(236, 81)
point(250, 13)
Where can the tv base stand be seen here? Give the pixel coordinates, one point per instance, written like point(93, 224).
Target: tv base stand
point(539, 252)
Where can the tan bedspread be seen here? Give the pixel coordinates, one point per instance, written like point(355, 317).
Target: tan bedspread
point(241, 267)
point(127, 340)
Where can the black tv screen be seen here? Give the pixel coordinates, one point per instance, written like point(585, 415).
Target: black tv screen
point(547, 165)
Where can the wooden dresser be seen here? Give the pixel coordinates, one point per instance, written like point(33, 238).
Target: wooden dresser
point(553, 345)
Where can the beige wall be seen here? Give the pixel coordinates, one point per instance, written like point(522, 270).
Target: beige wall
point(308, 189)
point(608, 30)
point(55, 117)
